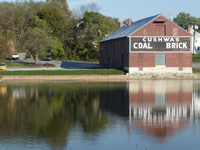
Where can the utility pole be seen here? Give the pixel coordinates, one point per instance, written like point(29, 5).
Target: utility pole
point(170, 16)
point(194, 38)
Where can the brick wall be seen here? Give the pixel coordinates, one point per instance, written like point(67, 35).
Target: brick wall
point(141, 60)
point(179, 59)
point(172, 59)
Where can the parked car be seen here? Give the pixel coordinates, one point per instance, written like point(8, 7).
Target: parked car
point(48, 58)
point(15, 56)
point(3, 66)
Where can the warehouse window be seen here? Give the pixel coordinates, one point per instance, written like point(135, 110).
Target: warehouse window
point(175, 31)
point(145, 32)
point(160, 30)
point(140, 68)
point(180, 57)
point(180, 68)
point(140, 57)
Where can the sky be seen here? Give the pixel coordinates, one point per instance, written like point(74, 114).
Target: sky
point(139, 9)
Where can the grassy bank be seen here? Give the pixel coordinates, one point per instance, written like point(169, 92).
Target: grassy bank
point(12, 64)
point(196, 58)
point(68, 72)
point(196, 70)
point(26, 65)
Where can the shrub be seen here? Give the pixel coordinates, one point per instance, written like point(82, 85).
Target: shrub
point(49, 65)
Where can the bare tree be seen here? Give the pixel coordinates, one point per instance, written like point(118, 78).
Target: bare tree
point(93, 7)
point(89, 7)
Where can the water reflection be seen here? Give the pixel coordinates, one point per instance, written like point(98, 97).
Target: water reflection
point(157, 108)
point(55, 115)
point(47, 112)
point(160, 108)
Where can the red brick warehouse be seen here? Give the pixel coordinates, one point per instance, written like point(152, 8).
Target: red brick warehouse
point(153, 44)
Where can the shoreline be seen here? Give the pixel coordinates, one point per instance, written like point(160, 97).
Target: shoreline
point(66, 77)
point(127, 77)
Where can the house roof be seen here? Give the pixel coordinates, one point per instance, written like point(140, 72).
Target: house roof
point(126, 30)
point(197, 34)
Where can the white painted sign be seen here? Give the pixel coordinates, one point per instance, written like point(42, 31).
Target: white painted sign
point(160, 44)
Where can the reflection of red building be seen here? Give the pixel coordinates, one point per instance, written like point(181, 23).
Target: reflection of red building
point(157, 108)
point(160, 107)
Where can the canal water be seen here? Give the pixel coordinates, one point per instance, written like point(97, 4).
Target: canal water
point(134, 115)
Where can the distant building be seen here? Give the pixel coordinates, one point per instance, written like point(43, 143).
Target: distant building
point(197, 39)
point(153, 44)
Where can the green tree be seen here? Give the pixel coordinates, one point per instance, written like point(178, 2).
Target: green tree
point(53, 18)
point(184, 19)
point(57, 16)
point(95, 27)
point(57, 48)
point(35, 41)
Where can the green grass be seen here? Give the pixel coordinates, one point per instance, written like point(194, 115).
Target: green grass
point(68, 72)
point(11, 64)
point(196, 58)
point(196, 70)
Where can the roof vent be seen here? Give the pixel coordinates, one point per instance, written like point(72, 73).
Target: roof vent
point(159, 20)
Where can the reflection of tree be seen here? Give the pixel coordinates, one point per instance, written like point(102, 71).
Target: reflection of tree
point(51, 110)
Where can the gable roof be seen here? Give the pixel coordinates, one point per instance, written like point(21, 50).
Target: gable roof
point(126, 30)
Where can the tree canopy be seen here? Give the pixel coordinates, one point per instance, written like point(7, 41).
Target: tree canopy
point(35, 41)
point(25, 23)
point(184, 19)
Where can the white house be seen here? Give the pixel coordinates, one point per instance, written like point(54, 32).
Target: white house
point(197, 39)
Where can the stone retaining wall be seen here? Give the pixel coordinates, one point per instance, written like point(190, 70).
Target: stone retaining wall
point(135, 76)
point(163, 76)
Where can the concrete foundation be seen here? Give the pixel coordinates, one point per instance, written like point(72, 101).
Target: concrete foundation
point(159, 69)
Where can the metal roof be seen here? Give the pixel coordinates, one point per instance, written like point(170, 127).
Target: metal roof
point(126, 30)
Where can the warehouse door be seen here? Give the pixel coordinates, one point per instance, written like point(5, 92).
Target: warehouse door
point(160, 59)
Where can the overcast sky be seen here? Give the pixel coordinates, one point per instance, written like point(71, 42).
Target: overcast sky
point(138, 9)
